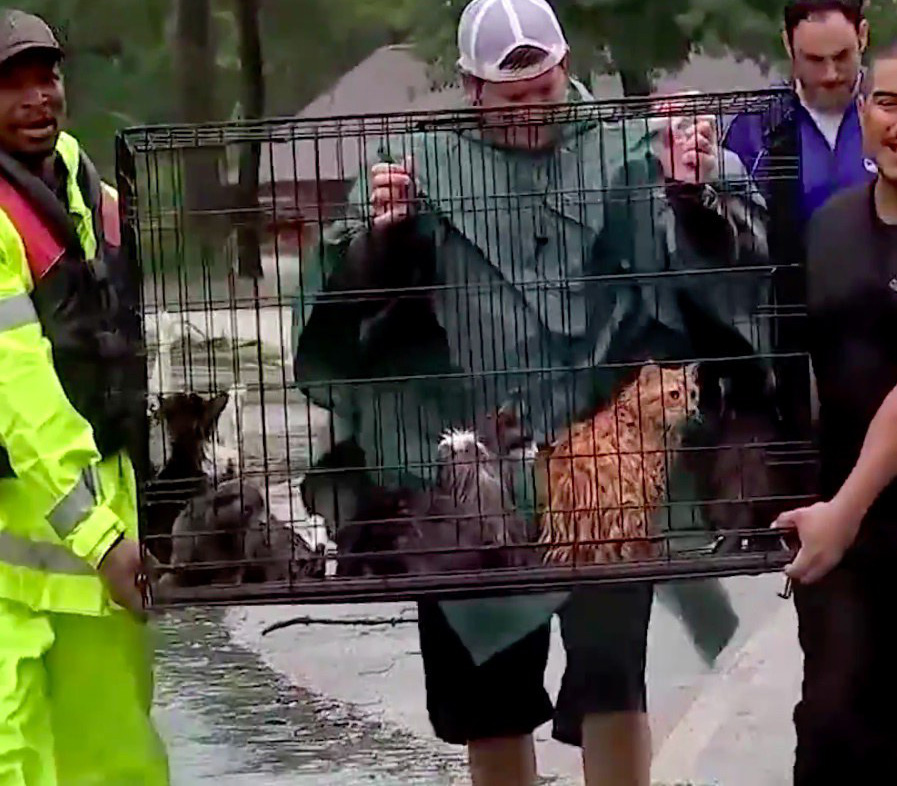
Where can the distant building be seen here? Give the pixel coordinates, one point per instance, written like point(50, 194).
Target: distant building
point(318, 170)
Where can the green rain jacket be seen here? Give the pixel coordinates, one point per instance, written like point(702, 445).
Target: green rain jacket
point(523, 273)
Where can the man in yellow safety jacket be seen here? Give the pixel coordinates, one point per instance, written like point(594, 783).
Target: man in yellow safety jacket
point(75, 656)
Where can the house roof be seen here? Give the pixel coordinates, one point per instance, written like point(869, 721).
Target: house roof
point(392, 79)
point(707, 73)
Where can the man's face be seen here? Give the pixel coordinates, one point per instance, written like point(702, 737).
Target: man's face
point(32, 104)
point(879, 117)
point(826, 57)
point(514, 125)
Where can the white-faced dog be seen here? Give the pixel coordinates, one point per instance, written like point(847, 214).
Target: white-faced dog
point(466, 522)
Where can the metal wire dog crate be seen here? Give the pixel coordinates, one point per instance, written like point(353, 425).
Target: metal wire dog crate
point(564, 365)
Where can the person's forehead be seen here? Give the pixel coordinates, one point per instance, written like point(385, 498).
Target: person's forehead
point(825, 33)
point(883, 76)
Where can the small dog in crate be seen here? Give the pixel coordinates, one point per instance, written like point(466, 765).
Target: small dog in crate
point(190, 421)
point(228, 536)
point(605, 477)
point(465, 523)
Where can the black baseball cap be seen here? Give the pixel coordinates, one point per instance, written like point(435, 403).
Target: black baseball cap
point(21, 32)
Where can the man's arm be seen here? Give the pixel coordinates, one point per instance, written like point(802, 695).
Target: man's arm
point(828, 529)
point(51, 448)
point(362, 262)
point(720, 212)
point(876, 466)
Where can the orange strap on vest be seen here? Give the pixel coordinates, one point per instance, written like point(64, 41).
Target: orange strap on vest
point(42, 249)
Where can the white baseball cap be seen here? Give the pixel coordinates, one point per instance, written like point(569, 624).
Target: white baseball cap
point(490, 30)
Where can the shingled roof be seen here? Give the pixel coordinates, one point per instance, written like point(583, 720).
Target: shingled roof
point(392, 79)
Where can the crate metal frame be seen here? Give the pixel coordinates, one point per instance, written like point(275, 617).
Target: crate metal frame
point(145, 219)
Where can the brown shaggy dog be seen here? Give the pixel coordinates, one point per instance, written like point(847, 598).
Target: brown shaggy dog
point(606, 476)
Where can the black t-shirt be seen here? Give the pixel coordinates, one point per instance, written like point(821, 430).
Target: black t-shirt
point(852, 310)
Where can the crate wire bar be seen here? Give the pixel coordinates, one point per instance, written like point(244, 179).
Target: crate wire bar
point(464, 375)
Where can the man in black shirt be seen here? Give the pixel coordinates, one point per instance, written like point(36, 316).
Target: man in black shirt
point(846, 721)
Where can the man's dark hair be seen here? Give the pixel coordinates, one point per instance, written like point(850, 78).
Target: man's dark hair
point(881, 52)
point(797, 11)
point(523, 57)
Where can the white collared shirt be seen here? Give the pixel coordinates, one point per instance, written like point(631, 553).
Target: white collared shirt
point(828, 123)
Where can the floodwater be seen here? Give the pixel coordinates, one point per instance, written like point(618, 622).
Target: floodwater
point(343, 706)
point(230, 720)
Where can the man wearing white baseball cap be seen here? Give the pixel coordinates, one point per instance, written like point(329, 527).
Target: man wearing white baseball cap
point(490, 31)
point(484, 660)
point(514, 52)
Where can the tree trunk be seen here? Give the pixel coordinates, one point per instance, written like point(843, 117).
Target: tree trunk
point(636, 82)
point(248, 221)
point(628, 60)
point(195, 59)
point(195, 54)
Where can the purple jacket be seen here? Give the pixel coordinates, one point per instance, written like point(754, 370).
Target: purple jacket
point(823, 171)
point(768, 144)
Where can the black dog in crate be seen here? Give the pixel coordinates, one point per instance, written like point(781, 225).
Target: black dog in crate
point(747, 466)
point(213, 530)
point(466, 522)
point(190, 421)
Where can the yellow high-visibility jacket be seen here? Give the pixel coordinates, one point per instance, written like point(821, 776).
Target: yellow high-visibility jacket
point(66, 506)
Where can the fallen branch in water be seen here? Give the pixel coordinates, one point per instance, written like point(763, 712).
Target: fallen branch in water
point(356, 623)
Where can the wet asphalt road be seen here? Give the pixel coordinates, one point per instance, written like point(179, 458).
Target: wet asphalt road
point(230, 705)
point(229, 720)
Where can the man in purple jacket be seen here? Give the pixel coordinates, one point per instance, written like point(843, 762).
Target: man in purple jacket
point(825, 40)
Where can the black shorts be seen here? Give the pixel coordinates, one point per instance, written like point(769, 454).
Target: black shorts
point(605, 634)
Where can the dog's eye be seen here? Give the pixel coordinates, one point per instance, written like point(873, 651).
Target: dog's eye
point(675, 395)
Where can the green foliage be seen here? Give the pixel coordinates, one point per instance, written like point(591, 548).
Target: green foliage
point(639, 37)
point(306, 46)
point(633, 37)
point(883, 21)
point(433, 28)
point(118, 68)
point(121, 71)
